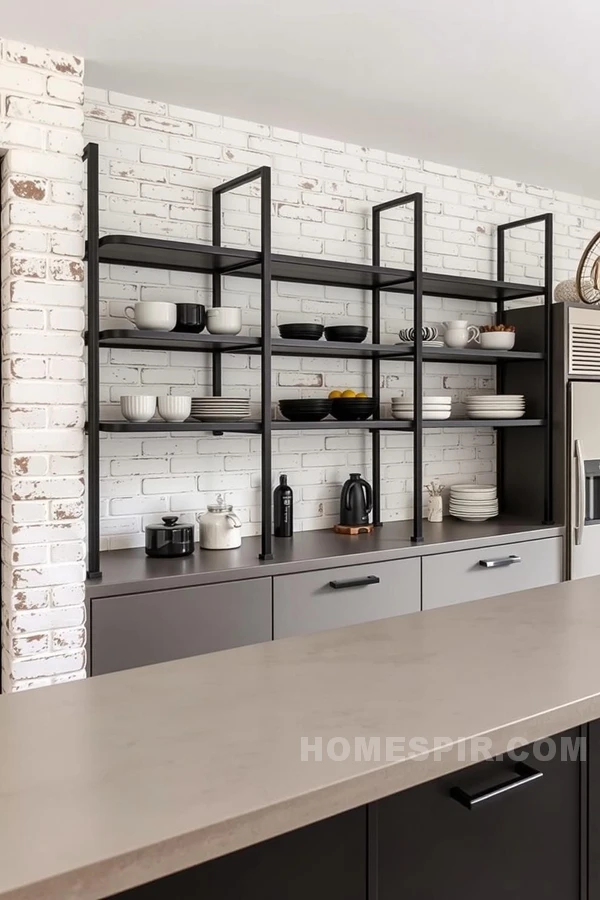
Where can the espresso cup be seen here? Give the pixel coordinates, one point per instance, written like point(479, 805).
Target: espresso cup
point(224, 320)
point(191, 318)
point(150, 315)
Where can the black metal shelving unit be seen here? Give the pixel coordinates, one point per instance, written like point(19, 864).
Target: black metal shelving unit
point(218, 261)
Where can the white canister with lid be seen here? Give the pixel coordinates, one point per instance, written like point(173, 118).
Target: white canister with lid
point(220, 528)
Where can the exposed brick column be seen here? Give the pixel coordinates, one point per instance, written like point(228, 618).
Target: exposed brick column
point(43, 532)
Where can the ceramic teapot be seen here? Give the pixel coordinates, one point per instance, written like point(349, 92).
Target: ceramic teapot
point(220, 528)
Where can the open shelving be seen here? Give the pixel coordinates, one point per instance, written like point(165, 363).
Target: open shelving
point(218, 261)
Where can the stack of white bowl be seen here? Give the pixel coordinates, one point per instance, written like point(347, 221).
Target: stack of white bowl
point(496, 406)
point(473, 502)
point(433, 408)
point(220, 409)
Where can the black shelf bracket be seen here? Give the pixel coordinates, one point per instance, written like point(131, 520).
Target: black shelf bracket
point(416, 200)
point(90, 156)
point(263, 174)
point(545, 290)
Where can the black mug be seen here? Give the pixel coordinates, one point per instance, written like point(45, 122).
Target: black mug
point(191, 318)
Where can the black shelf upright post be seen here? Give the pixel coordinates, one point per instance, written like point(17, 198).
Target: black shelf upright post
point(546, 291)
point(216, 289)
point(417, 202)
point(376, 371)
point(90, 155)
point(263, 174)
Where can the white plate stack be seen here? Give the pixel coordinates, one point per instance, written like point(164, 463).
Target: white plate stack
point(433, 408)
point(496, 406)
point(473, 502)
point(220, 409)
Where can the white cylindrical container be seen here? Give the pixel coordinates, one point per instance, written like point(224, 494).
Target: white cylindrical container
point(220, 528)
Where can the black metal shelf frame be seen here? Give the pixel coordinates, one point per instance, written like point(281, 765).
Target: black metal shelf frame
point(218, 261)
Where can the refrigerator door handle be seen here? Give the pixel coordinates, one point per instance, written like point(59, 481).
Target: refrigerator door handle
point(579, 492)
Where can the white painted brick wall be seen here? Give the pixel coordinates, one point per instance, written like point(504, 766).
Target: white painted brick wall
point(43, 533)
point(158, 166)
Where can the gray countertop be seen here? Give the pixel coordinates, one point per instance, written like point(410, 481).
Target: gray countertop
point(131, 571)
point(111, 782)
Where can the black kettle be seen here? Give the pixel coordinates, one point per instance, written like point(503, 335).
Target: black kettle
point(356, 501)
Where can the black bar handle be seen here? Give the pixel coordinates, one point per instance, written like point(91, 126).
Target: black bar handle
point(525, 775)
point(499, 563)
point(354, 582)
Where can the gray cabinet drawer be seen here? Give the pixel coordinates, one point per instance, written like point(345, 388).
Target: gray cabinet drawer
point(457, 577)
point(306, 603)
point(143, 629)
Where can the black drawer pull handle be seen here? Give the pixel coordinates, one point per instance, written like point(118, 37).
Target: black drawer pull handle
point(354, 582)
point(498, 563)
point(526, 775)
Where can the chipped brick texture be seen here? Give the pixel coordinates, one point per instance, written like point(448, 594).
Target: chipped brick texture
point(43, 533)
point(159, 163)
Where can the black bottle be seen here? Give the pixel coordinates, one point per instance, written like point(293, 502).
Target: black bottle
point(283, 509)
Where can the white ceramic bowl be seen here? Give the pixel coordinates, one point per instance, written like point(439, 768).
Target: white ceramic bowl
point(138, 409)
point(435, 400)
point(497, 340)
point(174, 409)
point(148, 315)
point(224, 320)
point(427, 414)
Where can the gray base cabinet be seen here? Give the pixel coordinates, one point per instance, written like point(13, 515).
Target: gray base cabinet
point(332, 598)
point(143, 629)
point(474, 574)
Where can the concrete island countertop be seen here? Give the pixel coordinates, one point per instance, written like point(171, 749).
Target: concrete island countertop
point(119, 780)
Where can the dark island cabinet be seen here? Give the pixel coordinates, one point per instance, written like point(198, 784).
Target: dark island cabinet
point(593, 809)
point(520, 843)
point(324, 861)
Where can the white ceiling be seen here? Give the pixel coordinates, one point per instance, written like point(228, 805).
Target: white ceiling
point(510, 87)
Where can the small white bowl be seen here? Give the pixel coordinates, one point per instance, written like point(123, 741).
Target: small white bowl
point(497, 340)
point(224, 320)
point(174, 409)
point(138, 409)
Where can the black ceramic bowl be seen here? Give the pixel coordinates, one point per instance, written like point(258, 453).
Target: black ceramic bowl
point(191, 318)
point(354, 334)
point(302, 331)
point(352, 409)
point(305, 410)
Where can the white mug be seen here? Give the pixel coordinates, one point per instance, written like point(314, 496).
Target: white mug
point(458, 333)
point(149, 315)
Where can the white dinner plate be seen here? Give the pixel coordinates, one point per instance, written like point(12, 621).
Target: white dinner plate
point(497, 414)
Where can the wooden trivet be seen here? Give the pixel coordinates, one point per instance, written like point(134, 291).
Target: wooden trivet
point(353, 529)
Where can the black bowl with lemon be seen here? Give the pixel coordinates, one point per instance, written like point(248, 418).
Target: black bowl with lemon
point(349, 406)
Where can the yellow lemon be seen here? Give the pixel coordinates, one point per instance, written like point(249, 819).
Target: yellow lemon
point(349, 393)
point(334, 395)
point(362, 395)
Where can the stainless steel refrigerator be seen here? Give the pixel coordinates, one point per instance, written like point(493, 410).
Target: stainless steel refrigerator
point(575, 431)
point(584, 512)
